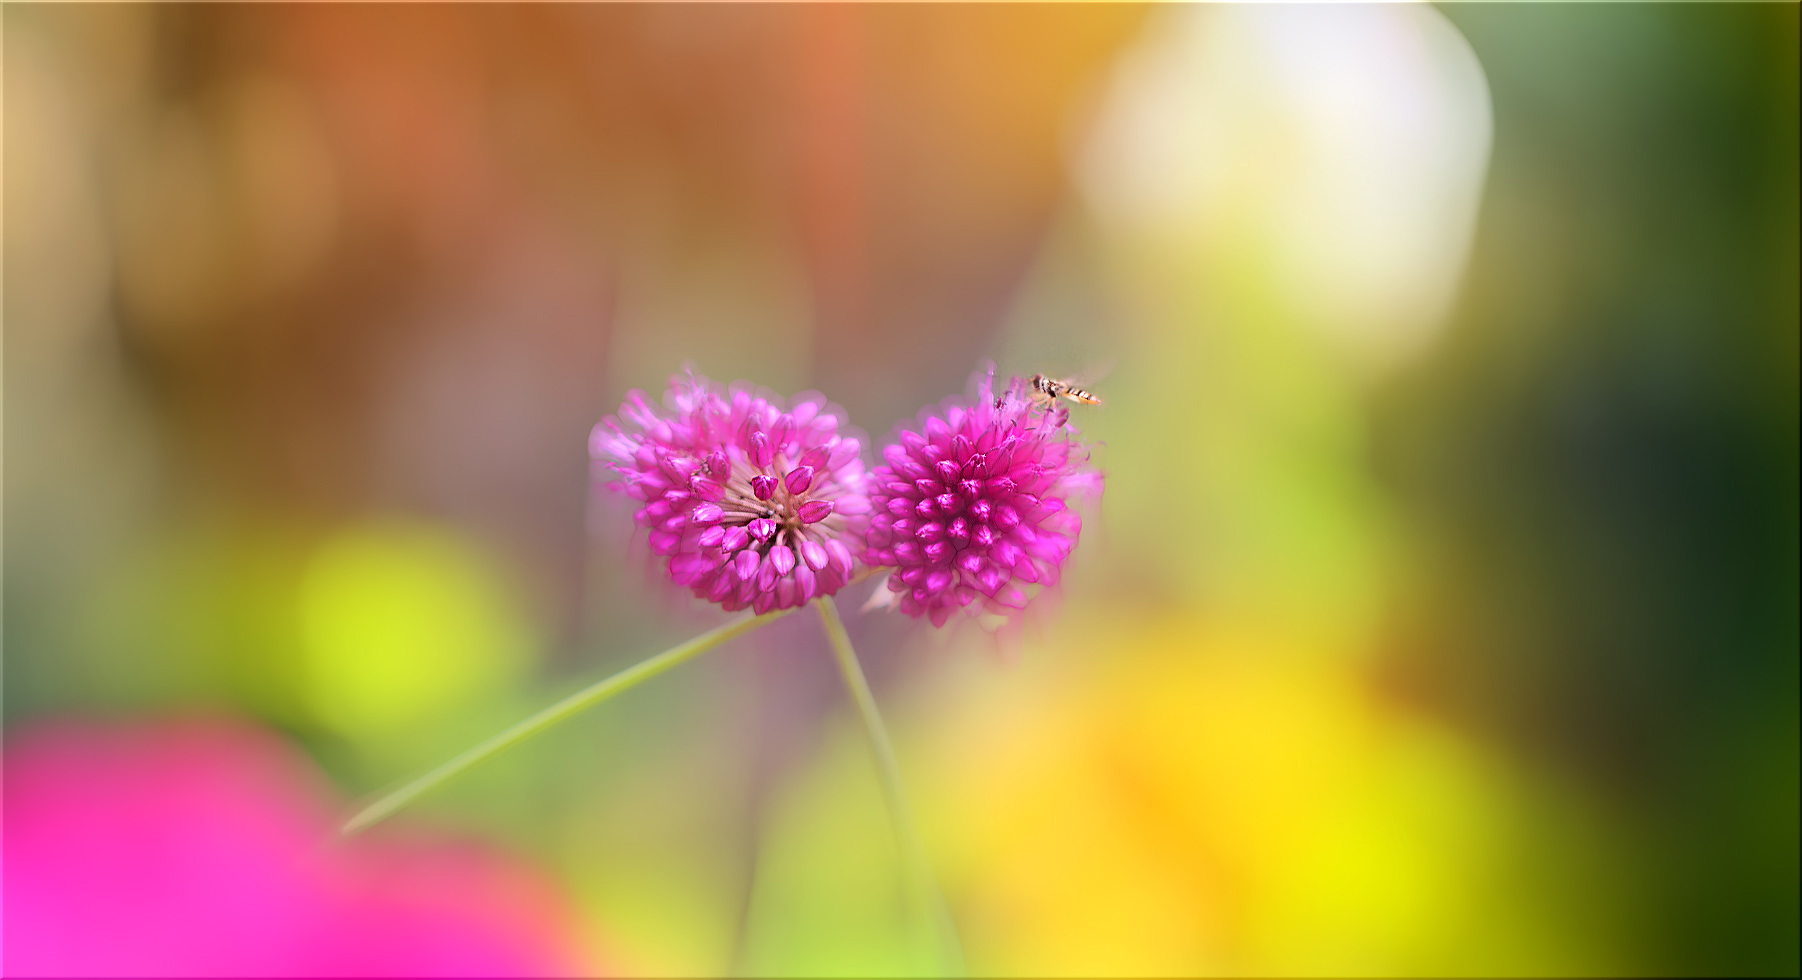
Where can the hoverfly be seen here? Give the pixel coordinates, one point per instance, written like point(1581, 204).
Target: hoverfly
point(1046, 391)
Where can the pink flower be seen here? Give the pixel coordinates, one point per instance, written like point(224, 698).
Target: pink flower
point(975, 504)
point(753, 503)
point(205, 849)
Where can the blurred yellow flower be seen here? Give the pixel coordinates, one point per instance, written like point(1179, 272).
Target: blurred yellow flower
point(1187, 798)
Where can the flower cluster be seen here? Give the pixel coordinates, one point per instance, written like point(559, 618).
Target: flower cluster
point(975, 503)
point(760, 506)
point(751, 502)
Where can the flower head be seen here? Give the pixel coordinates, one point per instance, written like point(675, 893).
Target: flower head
point(975, 503)
point(751, 502)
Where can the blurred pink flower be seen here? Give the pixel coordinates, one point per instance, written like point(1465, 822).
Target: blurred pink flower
point(975, 504)
point(751, 502)
point(205, 849)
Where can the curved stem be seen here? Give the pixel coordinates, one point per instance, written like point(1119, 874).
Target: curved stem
point(929, 906)
point(567, 708)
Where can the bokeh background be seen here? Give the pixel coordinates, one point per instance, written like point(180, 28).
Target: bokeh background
point(1440, 615)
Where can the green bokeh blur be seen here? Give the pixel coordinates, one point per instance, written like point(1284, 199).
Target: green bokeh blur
point(1440, 615)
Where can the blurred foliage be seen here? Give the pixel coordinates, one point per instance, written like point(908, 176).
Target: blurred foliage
point(1602, 462)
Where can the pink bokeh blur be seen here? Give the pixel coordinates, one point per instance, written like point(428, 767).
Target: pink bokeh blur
point(204, 848)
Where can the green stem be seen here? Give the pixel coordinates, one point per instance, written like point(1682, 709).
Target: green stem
point(929, 906)
point(576, 703)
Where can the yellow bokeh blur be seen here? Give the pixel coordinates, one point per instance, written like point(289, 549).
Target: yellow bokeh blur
point(401, 624)
point(1189, 797)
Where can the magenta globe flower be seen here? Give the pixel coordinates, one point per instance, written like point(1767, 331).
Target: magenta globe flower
point(973, 509)
point(752, 503)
